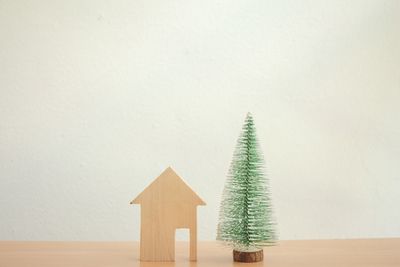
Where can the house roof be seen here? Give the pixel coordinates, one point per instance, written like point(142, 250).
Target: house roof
point(168, 187)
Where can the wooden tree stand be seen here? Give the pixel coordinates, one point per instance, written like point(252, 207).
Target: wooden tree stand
point(254, 256)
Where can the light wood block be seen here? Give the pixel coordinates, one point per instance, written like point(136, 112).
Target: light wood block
point(167, 204)
point(317, 253)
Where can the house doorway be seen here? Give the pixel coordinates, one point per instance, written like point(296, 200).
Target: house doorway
point(182, 244)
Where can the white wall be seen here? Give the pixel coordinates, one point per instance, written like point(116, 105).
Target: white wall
point(98, 97)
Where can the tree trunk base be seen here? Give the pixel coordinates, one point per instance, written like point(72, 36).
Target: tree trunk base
point(254, 256)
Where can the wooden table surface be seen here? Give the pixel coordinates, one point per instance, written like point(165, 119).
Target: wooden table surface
point(321, 253)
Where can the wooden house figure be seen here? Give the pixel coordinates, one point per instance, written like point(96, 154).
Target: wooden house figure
point(167, 204)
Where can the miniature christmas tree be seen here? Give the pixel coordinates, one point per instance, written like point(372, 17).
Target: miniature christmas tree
point(245, 219)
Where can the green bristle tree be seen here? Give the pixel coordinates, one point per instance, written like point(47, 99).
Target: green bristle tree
point(245, 221)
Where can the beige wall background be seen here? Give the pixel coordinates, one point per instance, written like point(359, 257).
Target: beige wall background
point(98, 97)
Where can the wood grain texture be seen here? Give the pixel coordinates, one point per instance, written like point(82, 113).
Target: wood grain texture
point(254, 256)
point(327, 253)
point(167, 204)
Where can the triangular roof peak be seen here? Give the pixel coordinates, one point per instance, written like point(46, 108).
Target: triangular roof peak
point(168, 186)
